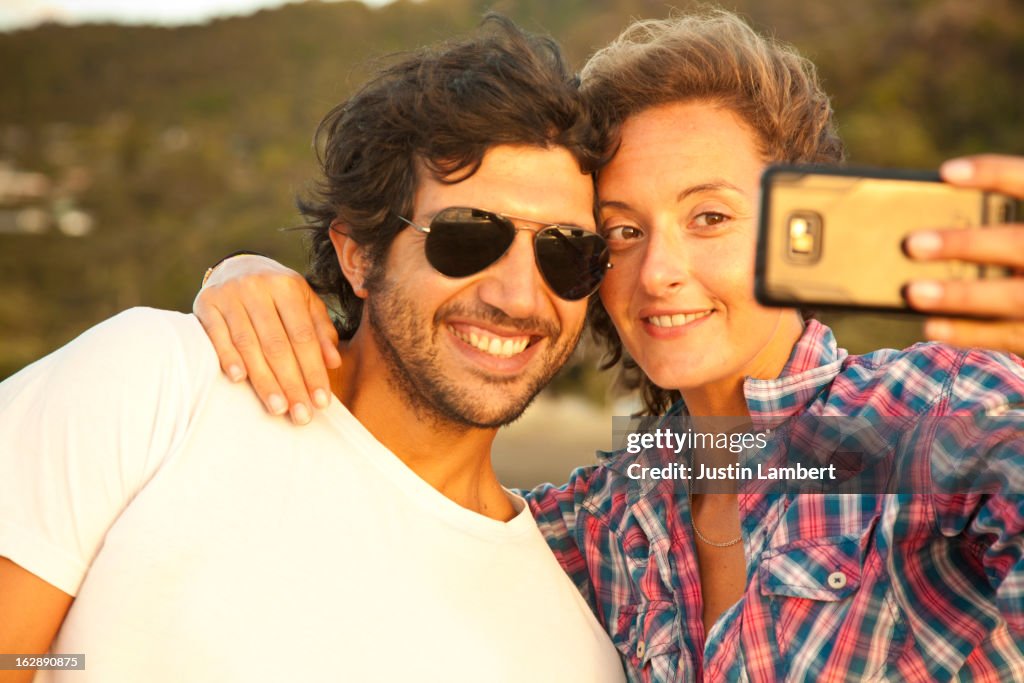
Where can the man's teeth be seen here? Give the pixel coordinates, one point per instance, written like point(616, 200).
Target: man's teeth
point(676, 320)
point(496, 346)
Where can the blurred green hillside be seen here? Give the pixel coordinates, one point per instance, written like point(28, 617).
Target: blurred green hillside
point(131, 158)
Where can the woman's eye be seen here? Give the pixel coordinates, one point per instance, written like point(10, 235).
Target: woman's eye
point(710, 218)
point(623, 233)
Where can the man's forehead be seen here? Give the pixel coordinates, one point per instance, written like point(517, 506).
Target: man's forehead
point(542, 183)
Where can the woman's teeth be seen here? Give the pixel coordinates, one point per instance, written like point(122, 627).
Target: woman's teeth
point(676, 320)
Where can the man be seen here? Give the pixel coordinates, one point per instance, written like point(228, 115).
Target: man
point(377, 545)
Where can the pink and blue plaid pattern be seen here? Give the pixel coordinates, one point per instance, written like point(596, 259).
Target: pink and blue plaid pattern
point(932, 585)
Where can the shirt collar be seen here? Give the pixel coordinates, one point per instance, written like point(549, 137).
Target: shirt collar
point(815, 361)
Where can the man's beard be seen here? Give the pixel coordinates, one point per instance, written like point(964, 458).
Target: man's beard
point(411, 354)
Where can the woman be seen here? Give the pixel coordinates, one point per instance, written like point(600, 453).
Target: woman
point(748, 585)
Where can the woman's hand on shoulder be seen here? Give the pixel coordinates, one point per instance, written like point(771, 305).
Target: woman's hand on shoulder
point(268, 325)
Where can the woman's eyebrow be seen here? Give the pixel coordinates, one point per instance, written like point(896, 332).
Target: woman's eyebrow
point(711, 186)
point(614, 204)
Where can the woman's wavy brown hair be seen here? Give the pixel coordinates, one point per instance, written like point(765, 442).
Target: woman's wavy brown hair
point(712, 56)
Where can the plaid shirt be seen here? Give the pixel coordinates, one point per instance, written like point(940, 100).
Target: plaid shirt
point(897, 586)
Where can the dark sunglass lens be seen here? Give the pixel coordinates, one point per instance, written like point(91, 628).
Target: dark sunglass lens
point(572, 261)
point(464, 241)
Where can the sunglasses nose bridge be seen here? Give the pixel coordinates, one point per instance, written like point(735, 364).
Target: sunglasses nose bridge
point(531, 246)
point(523, 251)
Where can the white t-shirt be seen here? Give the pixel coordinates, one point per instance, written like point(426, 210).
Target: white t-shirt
point(207, 541)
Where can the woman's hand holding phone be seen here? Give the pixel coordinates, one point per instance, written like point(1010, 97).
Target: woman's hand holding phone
point(1000, 300)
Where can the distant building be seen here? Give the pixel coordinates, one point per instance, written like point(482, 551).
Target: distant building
point(30, 205)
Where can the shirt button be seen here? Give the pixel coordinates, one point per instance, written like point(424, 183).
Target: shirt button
point(641, 648)
point(837, 580)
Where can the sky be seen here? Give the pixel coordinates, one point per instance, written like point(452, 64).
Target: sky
point(15, 14)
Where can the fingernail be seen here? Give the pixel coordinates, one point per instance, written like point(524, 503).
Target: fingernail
point(300, 414)
point(277, 404)
point(320, 398)
point(236, 373)
point(923, 243)
point(925, 292)
point(958, 170)
point(939, 330)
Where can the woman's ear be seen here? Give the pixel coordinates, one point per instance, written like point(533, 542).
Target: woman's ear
point(351, 257)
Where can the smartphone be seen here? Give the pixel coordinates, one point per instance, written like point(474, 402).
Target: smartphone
point(832, 238)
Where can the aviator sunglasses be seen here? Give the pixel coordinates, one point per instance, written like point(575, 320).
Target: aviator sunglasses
point(463, 241)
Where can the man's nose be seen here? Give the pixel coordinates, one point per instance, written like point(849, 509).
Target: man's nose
point(513, 284)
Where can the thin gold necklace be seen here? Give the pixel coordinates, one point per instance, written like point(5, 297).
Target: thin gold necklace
point(693, 521)
point(702, 537)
